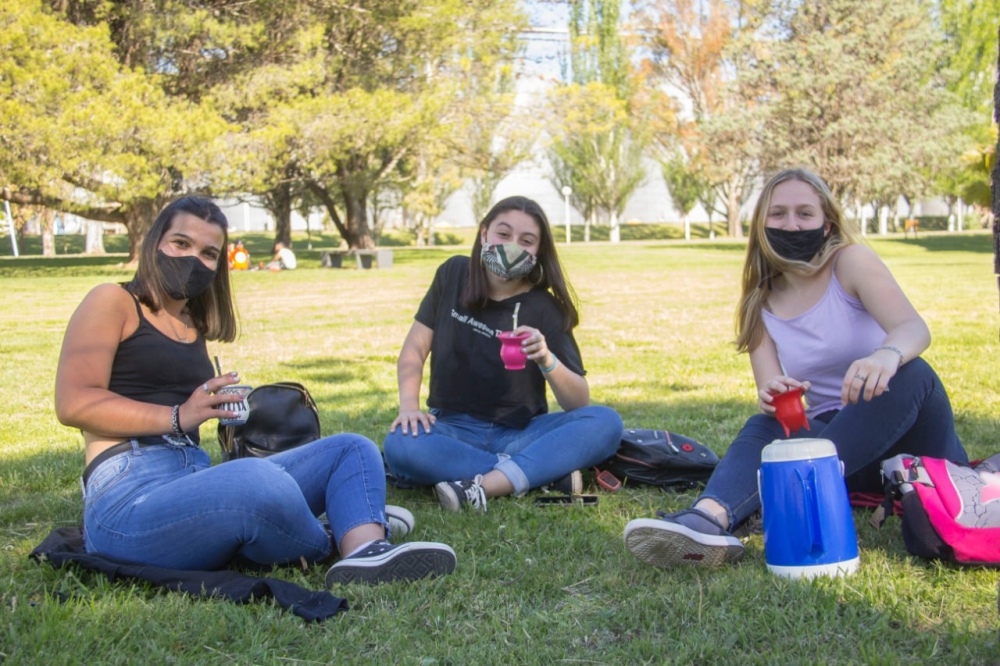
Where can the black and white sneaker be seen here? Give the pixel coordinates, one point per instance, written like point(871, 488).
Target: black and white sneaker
point(687, 537)
point(571, 484)
point(400, 521)
point(382, 562)
point(453, 495)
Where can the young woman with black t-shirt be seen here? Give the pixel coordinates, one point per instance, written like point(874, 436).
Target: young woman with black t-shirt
point(488, 432)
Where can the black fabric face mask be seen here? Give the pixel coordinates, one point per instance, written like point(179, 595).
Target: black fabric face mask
point(184, 277)
point(796, 245)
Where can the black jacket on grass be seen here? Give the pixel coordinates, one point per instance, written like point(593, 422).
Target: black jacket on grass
point(64, 546)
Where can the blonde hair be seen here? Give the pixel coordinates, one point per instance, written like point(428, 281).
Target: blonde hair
point(763, 263)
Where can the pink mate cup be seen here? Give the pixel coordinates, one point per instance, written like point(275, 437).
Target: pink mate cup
point(511, 352)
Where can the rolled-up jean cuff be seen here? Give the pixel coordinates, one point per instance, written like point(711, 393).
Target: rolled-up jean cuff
point(729, 512)
point(509, 468)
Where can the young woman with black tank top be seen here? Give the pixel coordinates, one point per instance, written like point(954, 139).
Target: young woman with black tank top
point(135, 377)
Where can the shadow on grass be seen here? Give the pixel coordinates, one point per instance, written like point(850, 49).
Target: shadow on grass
point(515, 557)
point(943, 242)
point(69, 265)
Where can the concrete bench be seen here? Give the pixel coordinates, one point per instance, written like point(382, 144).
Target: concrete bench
point(380, 257)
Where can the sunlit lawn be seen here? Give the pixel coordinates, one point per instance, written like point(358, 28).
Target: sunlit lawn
point(533, 584)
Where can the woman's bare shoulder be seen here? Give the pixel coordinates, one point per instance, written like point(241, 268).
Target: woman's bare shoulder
point(108, 300)
point(856, 254)
point(857, 264)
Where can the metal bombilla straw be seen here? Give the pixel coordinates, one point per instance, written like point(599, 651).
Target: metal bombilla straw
point(517, 306)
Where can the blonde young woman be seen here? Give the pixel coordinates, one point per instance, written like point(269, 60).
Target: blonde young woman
point(823, 313)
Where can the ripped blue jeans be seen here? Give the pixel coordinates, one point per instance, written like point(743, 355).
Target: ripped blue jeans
point(460, 446)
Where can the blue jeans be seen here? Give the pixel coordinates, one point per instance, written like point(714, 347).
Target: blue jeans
point(163, 503)
point(460, 447)
point(914, 417)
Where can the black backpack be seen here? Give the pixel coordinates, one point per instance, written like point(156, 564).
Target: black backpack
point(657, 458)
point(282, 416)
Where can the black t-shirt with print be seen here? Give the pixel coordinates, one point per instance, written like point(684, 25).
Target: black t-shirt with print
point(467, 374)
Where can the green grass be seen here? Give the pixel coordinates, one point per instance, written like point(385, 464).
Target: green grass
point(533, 584)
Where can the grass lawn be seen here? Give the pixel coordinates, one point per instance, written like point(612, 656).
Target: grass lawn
point(534, 584)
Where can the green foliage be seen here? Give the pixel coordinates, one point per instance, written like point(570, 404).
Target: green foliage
point(970, 28)
point(534, 585)
point(597, 52)
point(849, 81)
point(597, 141)
point(358, 106)
point(85, 133)
point(685, 184)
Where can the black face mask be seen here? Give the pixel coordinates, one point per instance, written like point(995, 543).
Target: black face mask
point(184, 277)
point(796, 245)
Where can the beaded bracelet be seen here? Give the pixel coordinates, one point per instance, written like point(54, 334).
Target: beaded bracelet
point(555, 362)
point(175, 420)
point(897, 350)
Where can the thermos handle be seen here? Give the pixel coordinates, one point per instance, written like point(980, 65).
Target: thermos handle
point(811, 512)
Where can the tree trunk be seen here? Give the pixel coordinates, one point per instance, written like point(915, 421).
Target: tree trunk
point(353, 227)
point(733, 205)
point(138, 219)
point(48, 235)
point(95, 238)
point(279, 204)
point(359, 236)
point(616, 234)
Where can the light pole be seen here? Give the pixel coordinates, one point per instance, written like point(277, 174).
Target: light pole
point(10, 224)
point(566, 191)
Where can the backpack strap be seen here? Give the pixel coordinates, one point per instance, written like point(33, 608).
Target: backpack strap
point(899, 473)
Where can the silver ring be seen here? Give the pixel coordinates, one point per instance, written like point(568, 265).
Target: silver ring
point(204, 387)
point(860, 376)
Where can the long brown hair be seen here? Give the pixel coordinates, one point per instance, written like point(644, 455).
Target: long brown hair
point(547, 274)
point(762, 263)
point(212, 312)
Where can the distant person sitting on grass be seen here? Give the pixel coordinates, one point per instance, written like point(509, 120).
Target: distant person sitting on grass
point(822, 313)
point(283, 259)
point(135, 377)
point(488, 432)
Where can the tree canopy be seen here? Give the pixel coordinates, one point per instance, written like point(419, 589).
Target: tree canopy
point(108, 108)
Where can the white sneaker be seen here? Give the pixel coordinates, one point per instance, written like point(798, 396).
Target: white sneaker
point(400, 521)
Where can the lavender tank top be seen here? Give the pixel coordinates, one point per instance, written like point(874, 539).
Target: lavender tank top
point(822, 342)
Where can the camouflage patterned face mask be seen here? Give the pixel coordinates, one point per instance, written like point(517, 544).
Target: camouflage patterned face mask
point(509, 261)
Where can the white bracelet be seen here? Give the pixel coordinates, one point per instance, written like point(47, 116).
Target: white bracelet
point(897, 350)
point(555, 362)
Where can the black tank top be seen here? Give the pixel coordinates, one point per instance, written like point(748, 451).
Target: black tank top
point(152, 367)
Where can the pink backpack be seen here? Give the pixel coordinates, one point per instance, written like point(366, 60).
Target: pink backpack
point(950, 512)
